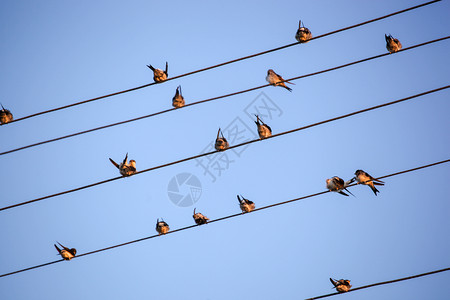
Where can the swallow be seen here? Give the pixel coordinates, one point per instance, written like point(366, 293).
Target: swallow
point(178, 100)
point(162, 227)
point(303, 34)
point(364, 178)
point(276, 80)
point(125, 169)
point(221, 142)
point(342, 285)
point(66, 253)
point(245, 204)
point(264, 130)
point(392, 45)
point(5, 116)
point(199, 218)
point(337, 184)
point(158, 74)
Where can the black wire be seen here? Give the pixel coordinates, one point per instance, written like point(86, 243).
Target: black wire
point(214, 98)
point(221, 219)
point(231, 147)
point(381, 283)
point(225, 63)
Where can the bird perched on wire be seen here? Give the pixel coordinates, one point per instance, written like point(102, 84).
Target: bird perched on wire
point(162, 227)
point(5, 116)
point(125, 168)
point(342, 285)
point(276, 80)
point(199, 218)
point(221, 142)
point(364, 178)
point(392, 45)
point(66, 253)
point(264, 130)
point(245, 204)
point(303, 34)
point(178, 100)
point(158, 74)
point(337, 184)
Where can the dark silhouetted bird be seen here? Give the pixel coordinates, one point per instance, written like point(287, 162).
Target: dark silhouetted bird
point(264, 130)
point(66, 253)
point(125, 168)
point(245, 204)
point(158, 74)
point(392, 45)
point(276, 80)
point(178, 100)
point(342, 285)
point(162, 227)
point(199, 218)
point(303, 34)
point(221, 142)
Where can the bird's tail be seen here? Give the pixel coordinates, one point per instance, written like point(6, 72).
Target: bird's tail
point(288, 88)
point(374, 189)
point(350, 193)
point(151, 68)
point(114, 163)
point(333, 281)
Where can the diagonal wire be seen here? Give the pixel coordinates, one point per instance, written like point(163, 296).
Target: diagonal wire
point(221, 219)
point(226, 63)
point(231, 147)
point(215, 98)
point(382, 283)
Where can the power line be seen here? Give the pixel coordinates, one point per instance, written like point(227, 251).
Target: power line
point(221, 219)
point(215, 98)
point(384, 282)
point(231, 147)
point(225, 63)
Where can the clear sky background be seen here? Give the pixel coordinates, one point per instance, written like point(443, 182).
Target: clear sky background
point(55, 53)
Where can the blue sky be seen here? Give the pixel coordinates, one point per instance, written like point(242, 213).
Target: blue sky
point(55, 53)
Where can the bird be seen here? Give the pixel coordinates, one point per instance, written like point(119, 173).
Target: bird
point(392, 45)
point(199, 218)
point(245, 204)
point(158, 74)
point(162, 227)
point(178, 100)
point(264, 130)
point(364, 178)
point(66, 253)
point(221, 142)
point(276, 80)
point(303, 34)
point(5, 116)
point(342, 285)
point(336, 184)
point(126, 169)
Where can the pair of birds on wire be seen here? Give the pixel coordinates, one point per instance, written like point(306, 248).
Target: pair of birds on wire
point(264, 131)
point(337, 184)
